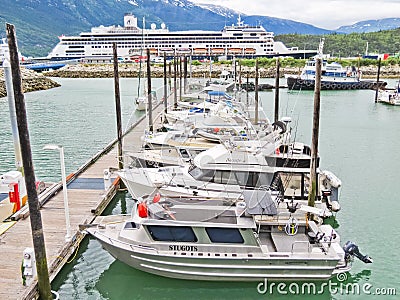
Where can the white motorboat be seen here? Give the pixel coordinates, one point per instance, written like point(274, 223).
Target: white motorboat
point(203, 239)
point(227, 169)
point(390, 96)
point(333, 76)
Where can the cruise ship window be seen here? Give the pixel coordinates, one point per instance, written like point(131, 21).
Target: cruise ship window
point(172, 233)
point(224, 235)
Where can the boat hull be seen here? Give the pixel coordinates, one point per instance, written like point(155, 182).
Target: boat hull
point(295, 83)
point(192, 266)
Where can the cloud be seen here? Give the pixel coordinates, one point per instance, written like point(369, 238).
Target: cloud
point(329, 14)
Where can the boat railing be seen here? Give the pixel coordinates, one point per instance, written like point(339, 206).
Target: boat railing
point(115, 241)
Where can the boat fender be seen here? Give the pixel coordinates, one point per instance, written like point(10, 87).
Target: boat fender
point(332, 179)
point(156, 198)
point(335, 206)
point(281, 125)
point(142, 210)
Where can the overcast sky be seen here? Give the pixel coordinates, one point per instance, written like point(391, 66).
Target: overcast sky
point(328, 14)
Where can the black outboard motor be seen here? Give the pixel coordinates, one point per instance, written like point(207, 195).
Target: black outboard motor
point(351, 250)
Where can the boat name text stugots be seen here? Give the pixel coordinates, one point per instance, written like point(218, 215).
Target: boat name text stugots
point(182, 248)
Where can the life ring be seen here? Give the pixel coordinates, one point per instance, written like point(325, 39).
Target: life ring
point(308, 83)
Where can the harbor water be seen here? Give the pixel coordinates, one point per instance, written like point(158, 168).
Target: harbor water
point(358, 142)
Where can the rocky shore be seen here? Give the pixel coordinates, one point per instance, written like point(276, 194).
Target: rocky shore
point(132, 70)
point(31, 81)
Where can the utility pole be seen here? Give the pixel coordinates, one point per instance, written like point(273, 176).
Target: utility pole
point(118, 106)
point(315, 134)
point(30, 178)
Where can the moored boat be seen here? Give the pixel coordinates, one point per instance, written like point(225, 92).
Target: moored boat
point(390, 96)
point(211, 239)
point(333, 76)
point(97, 44)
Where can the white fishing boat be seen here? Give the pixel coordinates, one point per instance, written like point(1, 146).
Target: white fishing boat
point(333, 76)
point(211, 239)
point(226, 170)
point(390, 96)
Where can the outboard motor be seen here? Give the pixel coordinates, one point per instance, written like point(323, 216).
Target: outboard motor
point(351, 249)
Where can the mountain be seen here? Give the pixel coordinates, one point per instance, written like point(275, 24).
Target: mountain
point(39, 22)
point(371, 26)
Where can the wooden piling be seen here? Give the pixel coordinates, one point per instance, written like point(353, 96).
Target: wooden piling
point(30, 178)
point(256, 94)
point(149, 92)
point(180, 78)
point(185, 74)
point(377, 80)
point(315, 134)
point(276, 118)
point(175, 83)
point(118, 106)
point(165, 87)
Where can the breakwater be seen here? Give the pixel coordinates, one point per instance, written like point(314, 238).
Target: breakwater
point(31, 81)
point(199, 71)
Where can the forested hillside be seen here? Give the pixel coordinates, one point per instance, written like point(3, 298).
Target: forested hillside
point(347, 45)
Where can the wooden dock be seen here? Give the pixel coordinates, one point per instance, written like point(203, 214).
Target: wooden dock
point(87, 198)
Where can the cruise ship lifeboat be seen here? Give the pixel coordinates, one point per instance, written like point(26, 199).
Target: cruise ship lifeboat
point(235, 51)
point(250, 51)
point(200, 51)
point(183, 51)
point(217, 50)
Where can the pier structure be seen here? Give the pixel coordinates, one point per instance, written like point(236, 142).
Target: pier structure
point(87, 199)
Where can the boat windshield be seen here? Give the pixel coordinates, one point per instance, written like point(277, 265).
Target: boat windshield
point(242, 178)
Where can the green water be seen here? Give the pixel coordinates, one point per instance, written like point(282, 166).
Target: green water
point(359, 142)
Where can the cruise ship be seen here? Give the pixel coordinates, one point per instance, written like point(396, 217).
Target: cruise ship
point(240, 40)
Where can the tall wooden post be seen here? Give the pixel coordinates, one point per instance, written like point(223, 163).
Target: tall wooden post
point(240, 75)
point(180, 78)
point(247, 84)
point(185, 74)
point(315, 134)
point(117, 106)
point(256, 95)
point(175, 82)
point(277, 90)
point(30, 178)
point(170, 77)
point(165, 87)
point(377, 80)
point(149, 92)
point(234, 74)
